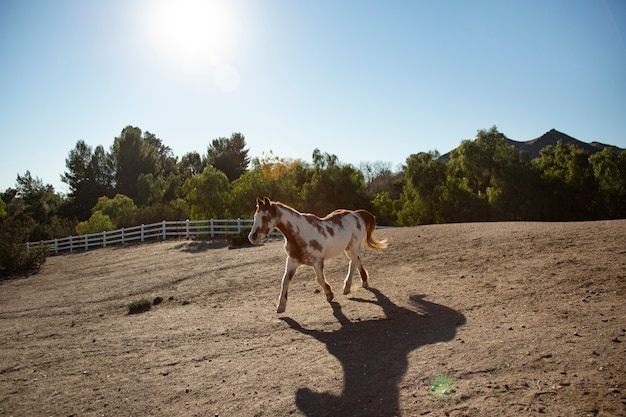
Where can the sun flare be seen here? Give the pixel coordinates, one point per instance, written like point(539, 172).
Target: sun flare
point(192, 36)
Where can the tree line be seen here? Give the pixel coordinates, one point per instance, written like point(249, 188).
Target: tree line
point(140, 180)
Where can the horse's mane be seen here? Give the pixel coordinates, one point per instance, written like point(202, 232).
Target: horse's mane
point(291, 209)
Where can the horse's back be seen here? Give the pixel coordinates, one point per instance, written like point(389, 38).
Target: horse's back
point(348, 229)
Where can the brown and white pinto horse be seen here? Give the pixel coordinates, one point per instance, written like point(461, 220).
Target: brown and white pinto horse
point(310, 240)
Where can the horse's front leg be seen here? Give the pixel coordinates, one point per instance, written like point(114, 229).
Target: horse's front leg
point(347, 283)
point(321, 279)
point(290, 270)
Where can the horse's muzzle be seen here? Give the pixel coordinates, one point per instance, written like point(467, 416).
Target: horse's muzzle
point(253, 238)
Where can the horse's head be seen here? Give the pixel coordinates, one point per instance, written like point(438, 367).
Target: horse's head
point(264, 220)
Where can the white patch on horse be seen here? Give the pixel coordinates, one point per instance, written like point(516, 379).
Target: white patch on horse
point(310, 240)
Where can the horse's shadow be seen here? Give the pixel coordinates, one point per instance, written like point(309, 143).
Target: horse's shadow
point(374, 355)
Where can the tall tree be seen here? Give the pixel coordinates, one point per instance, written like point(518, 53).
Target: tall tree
point(610, 173)
point(207, 194)
point(568, 182)
point(191, 164)
point(132, 156)
point(333, 185)
point(89, 176)
point(229, 155)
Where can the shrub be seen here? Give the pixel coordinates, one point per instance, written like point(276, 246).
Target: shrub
point(15, 257)
point(239, 239)
point(98, 222)
point(139, 306)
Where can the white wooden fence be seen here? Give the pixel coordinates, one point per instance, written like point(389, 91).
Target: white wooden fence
point(162, 230)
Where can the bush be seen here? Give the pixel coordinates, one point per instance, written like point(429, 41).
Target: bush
point(239, 239)
point(15, 257)
point(98, 222)
point(139, 306)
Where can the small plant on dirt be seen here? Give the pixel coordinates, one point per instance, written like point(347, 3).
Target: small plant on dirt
point(239, 239)
point(157, 301)
point(139, 306)
point(441, 386)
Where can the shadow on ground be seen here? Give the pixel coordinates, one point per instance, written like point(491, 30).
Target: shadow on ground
point(374, 355)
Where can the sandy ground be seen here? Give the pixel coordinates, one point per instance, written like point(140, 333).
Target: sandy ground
point(477, 319)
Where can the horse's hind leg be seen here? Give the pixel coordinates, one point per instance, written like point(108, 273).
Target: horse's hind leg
point(321, 279)
point(363, 273)
point(290, 270)
point(355, 263)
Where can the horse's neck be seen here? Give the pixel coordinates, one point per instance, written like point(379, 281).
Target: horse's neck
point(284, 215)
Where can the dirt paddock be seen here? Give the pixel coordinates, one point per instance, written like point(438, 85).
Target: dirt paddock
point(484, 319)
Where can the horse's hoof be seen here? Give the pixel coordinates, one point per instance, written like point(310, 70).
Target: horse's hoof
point(364, 284)
point(330, 297)
point(346, 291)
point(280, 309)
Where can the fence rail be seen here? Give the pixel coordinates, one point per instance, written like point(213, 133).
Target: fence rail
point(162, 230)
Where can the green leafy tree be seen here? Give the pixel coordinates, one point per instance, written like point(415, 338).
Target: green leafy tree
point(3, 208)
point(484, 168)
point(245, 190)
point(121, 210)
point(229, 155)
point(568, 183)
point(132, 156)
point(609, 169)
point(15, 258)
point(425, 175)
point(331, 185)
point(98, 222)
point(191, 164)
point(385, 208)
point(207, 194)
point(89, 176)
point(40, 200)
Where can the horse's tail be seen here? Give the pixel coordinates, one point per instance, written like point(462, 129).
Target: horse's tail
point(370, 226)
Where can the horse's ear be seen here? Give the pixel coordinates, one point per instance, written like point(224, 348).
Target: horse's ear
point(267, 201)
point(258, 201)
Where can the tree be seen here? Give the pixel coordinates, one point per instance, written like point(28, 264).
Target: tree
point(40, 201)
point(568, 182)
point(422, 198)
point(98, 222)
point(132, 156)
point(333, 185)
point(191, 164)
point(229, 155)
point(121, 210)
point(609, 170)
point(15, 258)
point(89, 176)
point(207, 194)
point(488, 168)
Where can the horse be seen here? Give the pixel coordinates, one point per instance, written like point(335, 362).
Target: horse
point(310, 240)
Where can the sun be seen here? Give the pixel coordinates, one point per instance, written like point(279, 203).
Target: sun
point(192, 36)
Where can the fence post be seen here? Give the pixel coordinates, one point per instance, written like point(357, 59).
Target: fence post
point(104, 239)
point(71, 244)
point(187, 229)
point(164, 230)
point(56, 246)
point(86, 243)
point(122, 235)
point(141, 233)
point(238, 225)
point(212, 232)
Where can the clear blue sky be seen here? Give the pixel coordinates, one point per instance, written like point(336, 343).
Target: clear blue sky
point(364, 80)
